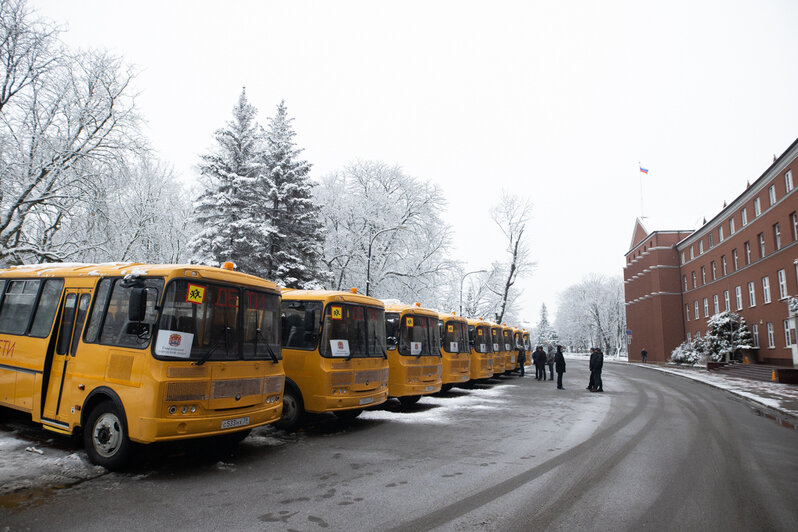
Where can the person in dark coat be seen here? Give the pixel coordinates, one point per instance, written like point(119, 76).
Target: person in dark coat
point(559, 364)
point(596, 364)
point(521, 359)
point(590, 382)
point(539, 359)
point(644, 355)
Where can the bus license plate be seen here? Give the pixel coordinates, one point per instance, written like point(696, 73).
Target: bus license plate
point(366, 400)
point(237, 422)
point(429, 388)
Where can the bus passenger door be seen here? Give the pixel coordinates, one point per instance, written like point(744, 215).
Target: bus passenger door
point(68, 329)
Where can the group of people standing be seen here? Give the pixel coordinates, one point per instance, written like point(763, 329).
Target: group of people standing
point(556, 361)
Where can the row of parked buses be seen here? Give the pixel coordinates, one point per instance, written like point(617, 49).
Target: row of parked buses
point(124, 353)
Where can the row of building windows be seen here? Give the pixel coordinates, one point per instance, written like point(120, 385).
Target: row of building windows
point(738, 296)
point(777, 245)
point(770, 333)
point(788, 186)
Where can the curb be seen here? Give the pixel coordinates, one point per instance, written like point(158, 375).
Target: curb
point(782, 417)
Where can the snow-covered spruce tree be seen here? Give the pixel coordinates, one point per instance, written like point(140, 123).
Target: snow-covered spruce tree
point(545, 335)
point(294, 233)
point(690, 351)
point(232, 226)
point(727, 335)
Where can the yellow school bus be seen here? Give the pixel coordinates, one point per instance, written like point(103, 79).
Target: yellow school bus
point(414, 355)
point(334, 353)
point(481, 349)
point(511, 353)
point(499, 354)
point(139, 352)
point(527, 346)
point(455, 350)
point(518, 343)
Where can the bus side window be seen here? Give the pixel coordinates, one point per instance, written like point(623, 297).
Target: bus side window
point(98, 311)
point(67, 320)
point(18, 305)
point(47, 307)
point(83, 306)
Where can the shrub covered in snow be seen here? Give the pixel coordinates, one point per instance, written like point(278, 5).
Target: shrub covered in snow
point(689, 352)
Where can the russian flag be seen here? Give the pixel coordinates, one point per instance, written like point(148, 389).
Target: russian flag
point(644, 170)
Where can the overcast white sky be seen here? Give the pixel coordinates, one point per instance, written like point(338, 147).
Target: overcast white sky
point(557, 100)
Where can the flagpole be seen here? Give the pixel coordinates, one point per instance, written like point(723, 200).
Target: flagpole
point(640, 176)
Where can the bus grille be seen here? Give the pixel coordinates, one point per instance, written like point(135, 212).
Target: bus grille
point(273, 385)
point(341, 378)
point(363, 377)
point(232, 388)
point(187, 391)
point(414, 371)
point(431, 371)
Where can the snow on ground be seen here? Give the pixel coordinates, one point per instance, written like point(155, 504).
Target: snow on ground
point(782, 397)
point(25, 465)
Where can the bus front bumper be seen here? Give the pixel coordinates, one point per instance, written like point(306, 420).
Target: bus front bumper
point(180, 427)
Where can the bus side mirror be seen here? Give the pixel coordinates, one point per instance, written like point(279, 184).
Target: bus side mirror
point(391, 342)
point(137, 306)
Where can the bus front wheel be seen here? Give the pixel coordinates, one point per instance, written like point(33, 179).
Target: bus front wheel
point(409, 400)
point(292, 410)
point(105, 437)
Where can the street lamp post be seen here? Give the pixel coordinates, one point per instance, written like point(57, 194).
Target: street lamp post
point(461, 287)
point(368, 260)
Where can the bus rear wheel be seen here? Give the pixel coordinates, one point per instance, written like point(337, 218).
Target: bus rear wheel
point(105, 437)
point(409, 400)
point(293, 410)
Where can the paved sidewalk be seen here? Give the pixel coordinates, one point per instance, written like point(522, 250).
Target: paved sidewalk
point(770, 399)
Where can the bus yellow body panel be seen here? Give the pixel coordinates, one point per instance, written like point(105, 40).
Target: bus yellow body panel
point(499, 353)
point(511, 362)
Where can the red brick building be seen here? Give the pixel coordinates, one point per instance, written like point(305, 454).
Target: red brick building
point(745, 260)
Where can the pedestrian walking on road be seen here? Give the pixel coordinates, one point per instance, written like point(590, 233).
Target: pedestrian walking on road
point(596, 364)
point(521, 359)
point(644, 355)
point(550, 363)
point(559, 363)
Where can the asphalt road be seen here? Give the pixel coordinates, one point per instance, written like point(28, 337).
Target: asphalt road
point(654, 452)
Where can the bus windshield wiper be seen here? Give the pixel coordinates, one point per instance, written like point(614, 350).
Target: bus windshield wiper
point(272, 353)
point(212, 350)
point(269, 349)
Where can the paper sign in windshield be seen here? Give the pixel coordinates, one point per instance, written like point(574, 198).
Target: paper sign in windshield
point(415, 348)
point(453, 347)
point(483, 348)
point(507, 347)
point(339, 348)
point(495, 347)
point(174, 344)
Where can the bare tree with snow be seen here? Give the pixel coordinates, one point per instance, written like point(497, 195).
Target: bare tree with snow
point(591, 313)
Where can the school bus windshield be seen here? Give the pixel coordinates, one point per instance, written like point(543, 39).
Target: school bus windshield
point(205, 321)
point(455, 337)
point(353, 331)
point(481, 338)
point(419, 335)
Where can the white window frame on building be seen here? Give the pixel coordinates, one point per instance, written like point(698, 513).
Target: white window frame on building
point(692, 274)
point(706, 307)
point(695, 308)
point(794, 220)
point(766, 289)
point(700, 246)
point(772, 194)
point(685, 283)
point(777, 236)
point(726, 299)
point(786, 324)
point(751, 294)
point(687, 311)
point(757, 207)
point(738, 295)
point(734, 259)
point(720, 233)
point(748, 253)
point(703, 275)
point(744, 216)
point(692, 252)
point(714, 270)
point(782, 277)
point(723, 264)
point(771, 336)
point(761, 237)
point(715, 303)
point(788, 181)
point(755, 334)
